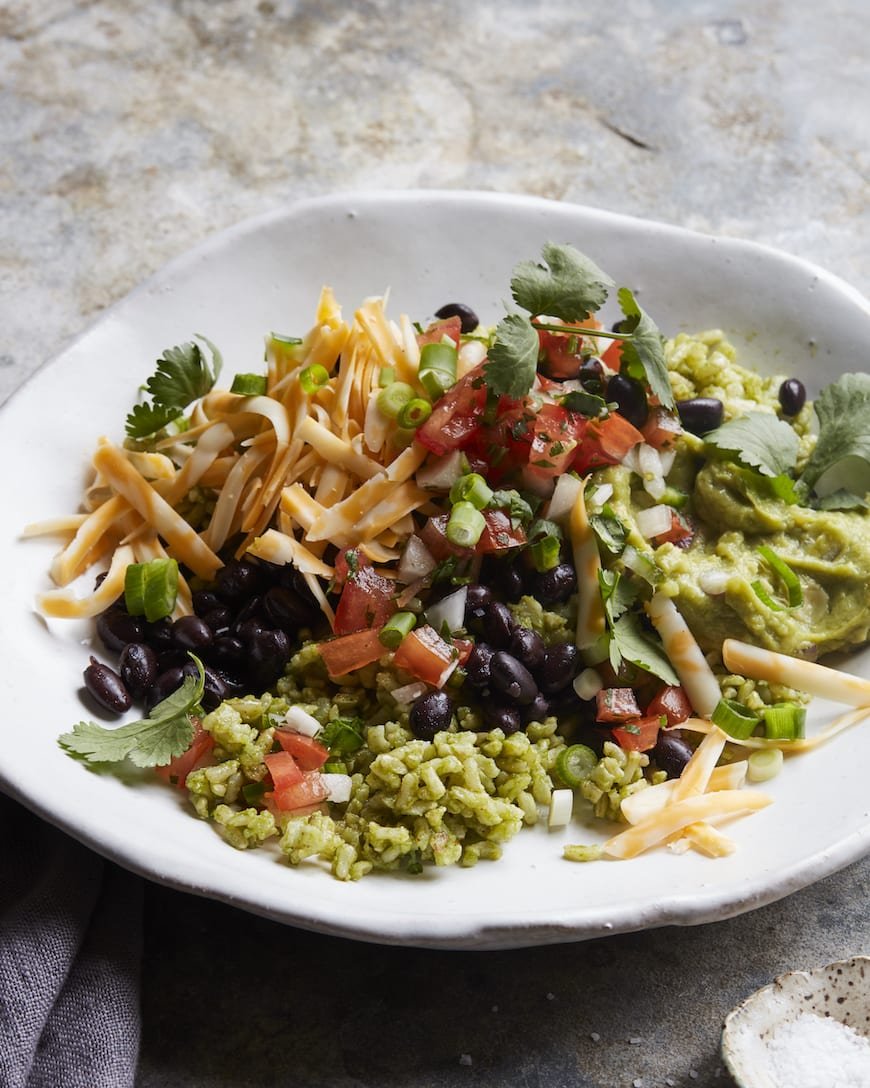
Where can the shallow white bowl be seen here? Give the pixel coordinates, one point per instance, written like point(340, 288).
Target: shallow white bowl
point(838, 990)
point(429, 248)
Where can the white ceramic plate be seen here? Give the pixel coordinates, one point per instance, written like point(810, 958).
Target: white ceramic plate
point(429, 248)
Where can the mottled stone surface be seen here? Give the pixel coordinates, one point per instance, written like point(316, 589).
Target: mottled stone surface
point(129, 131)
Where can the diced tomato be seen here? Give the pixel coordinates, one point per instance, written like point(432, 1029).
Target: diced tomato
point(637, 736)
point(426, 655)
point(348, 652)
point(616, 705)
point(309, 753)
point(463, 647)
point(679, 532)
point(456, 415)
point(306, 793)
point(661, 428)
point(367, 600)
point(284, 770)
point(450, 326)
point(562, 351)
point(606, 442)
point(556, 434)
point(434, 536)
point(672, 703)
point(613, 356)
point(179, 768)
point(499, 533)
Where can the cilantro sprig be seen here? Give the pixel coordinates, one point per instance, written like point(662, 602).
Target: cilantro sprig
point(152, 742)
point(567, 285)
point(182, 376)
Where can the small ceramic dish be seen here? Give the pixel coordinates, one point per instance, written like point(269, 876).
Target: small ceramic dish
point(837, 992)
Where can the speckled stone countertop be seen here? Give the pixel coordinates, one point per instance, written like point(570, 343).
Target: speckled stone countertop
point(130, 131)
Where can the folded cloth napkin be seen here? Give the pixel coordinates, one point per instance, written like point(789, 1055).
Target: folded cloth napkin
point(70, 951)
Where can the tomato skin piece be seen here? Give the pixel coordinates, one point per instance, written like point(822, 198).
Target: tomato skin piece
point(672, 703)
point(449, 326)
point(284, 770)
point(348, 652)
point(616, 705)
point(612, 358)
point(366, 601)
point(559, 361)
point(463, 647)
point(455, 416)
point(679, 532)
point(434, 536)
point(307, 793)
point(557, 433)
point(661, 429)
point(498, 533)
point(309, 753)
point(639, 735)
point(177, 770)
point(424, 654)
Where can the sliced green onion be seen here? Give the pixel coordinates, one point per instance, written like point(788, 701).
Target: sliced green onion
point(393, 398)
point(150, 589)
point(336, 767)
point(465, 525)
point(765, 598)
point(399, 625)
point(545, 553)
point(414, 413)
point(786, 575)
point(784, 721)
point(249, 385)
point(437, 371)
point(313, 377)
point(575, 763)
point(279, 338)
point(764, 765)
point(734, 719)
point(471, 488)
point(387, 376)
point(674, 497)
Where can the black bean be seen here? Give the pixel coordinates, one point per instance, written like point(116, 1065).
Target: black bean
point(249, 610)
point(559, 667)
point(701, 414)
point(158, 635)
point(191, 633)
point(512, 679)
point(116, 629)
point(498, 624)
point(792, 396)
point(476, 600)
point(592, 377)
point(204, 600)
point(527, 646)
point(506, 575)
point(214, 689)
point(467, 317)
point(554, 585)
point(477, 672)
point(227, 650)
point(671, 753)
point(171, 659)
point(630, 398)
point(430, 714)
point(498, 716)
point(240, 580)
point(138, 668)
point(537, 710)
point(167, 682)
point(106, 687)
point(268, 653)
point(250, 628)
point(286, 609)
point(218, 619)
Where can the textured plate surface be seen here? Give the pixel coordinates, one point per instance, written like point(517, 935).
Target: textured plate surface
point(428, 248)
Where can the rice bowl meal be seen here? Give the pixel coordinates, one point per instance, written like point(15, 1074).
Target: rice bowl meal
point(410, 587)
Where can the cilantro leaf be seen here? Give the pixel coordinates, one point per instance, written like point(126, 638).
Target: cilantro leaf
point(587, 404)
point(630, 642)
point(151, 742)
point(645, 350)
point(617, 593)
point(512, 360)
point(519, 510)
point(760, 440)
point(843, 410)
point(568, 286)
point(182, 376)
point(841, 500)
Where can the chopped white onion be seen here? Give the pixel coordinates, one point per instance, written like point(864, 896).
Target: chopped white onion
point(537, 484)
point(641, 564)
point(416, 562)
point(655, 486)
point(602, 494)
point(561, 807)
point(712, 582)
point(667, 459)
point(471, 354)
point(339, 786)
point(588, 684)
point(648, 460)
point(409, 692)
point(565, 494)
point(654, 521)
point(630, 460)
point(441, 473)
point(300, 721)
point(449, 610)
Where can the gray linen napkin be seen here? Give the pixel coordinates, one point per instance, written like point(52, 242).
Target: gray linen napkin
point(70, 951)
